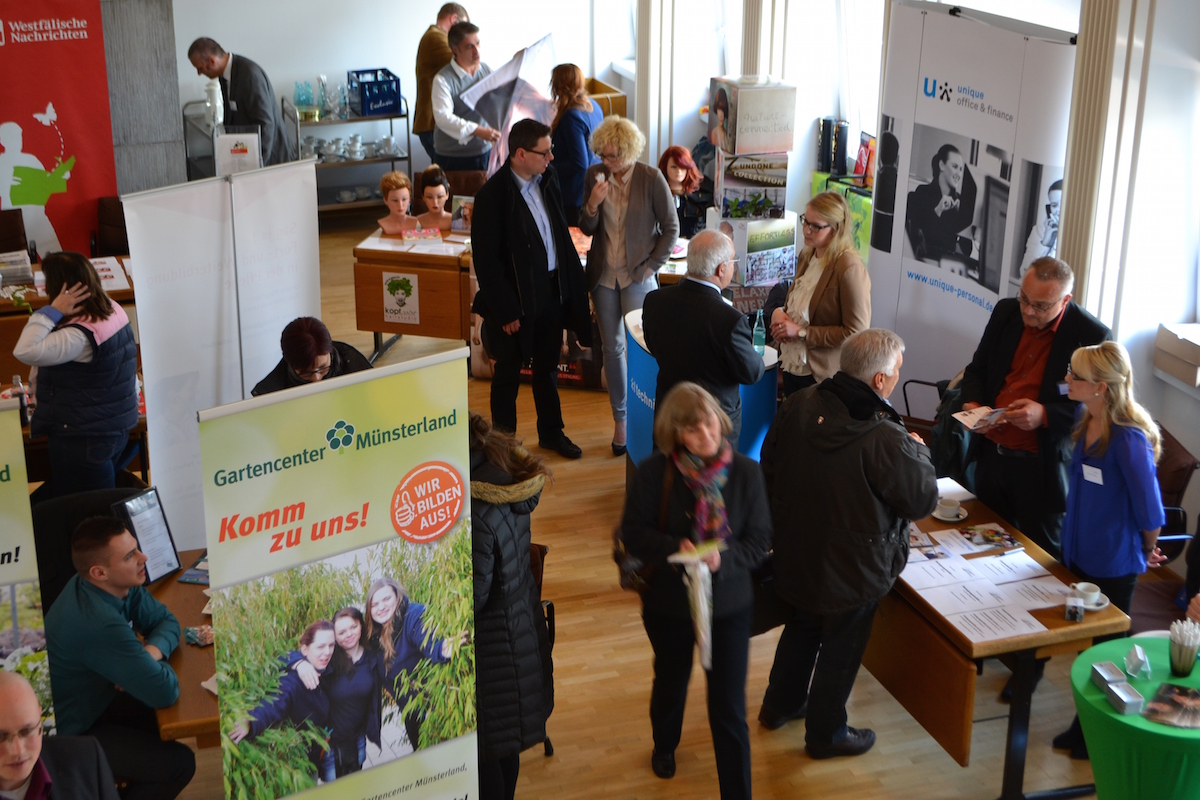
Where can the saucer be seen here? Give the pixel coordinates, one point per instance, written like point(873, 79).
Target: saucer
point(962, 514)
point(1099, 605)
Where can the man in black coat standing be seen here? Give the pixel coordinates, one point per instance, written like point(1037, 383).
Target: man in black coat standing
point(696, 335)
point(844, 478)
point(1021, 365)
point(531, 284)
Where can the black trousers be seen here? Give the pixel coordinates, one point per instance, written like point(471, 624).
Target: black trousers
point(128, 735)
point(1013, 487)
point(506, 380)
point(498, 778)
point(825, 650)
point(673, 641)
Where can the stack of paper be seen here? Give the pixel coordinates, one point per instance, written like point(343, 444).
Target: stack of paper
point(112, 277)
point(15, 268)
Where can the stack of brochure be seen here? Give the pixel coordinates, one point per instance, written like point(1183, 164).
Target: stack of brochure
point(15, 268)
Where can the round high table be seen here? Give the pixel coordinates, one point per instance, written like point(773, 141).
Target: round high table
point(1133, 757)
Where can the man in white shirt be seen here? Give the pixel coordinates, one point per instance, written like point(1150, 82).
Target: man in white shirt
point(462, 137)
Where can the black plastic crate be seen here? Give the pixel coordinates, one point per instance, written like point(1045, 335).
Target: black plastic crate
point(373, 92)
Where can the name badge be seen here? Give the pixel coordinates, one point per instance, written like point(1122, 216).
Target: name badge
point(1063, 388)
point(1093, 475)
point(233, 107)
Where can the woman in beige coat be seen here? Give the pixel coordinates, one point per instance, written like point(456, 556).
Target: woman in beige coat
point(828, 300)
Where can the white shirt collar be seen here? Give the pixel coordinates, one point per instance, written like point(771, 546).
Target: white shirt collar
point(703, 282)
point(462, 73)
point(228, 67)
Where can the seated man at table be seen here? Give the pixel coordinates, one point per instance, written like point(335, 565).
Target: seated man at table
point(843, 478)
point(108, 641)
point(33, 768)
point(309, 355)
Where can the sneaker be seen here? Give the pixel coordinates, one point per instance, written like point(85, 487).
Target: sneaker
point(773, 720)
point(563, 446)
point(856, 742)
point(663, 764)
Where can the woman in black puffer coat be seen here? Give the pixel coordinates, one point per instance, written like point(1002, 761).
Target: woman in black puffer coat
point(515, 683)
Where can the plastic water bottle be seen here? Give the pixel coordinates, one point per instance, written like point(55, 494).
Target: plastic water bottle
point(760, 334)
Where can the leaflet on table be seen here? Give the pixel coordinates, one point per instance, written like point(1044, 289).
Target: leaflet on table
point(962, 597)
point(917, 554)
point(995, 623)
point(377, 241)
point(1009, 567)
point(438, 248)
point(921, 547)
point(975, 538)
point(112, 276)
point(1044, 592)
point(950, 489)
point(922, 575)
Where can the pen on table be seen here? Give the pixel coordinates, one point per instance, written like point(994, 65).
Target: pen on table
point(1018, 549)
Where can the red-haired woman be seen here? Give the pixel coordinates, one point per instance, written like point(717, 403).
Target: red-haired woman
point(685, 179)
point(575, 117)
point(309, 355)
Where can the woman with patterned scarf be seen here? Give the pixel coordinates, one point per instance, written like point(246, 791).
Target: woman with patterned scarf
point(695, 488)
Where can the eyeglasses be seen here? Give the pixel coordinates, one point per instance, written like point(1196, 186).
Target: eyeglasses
point(1072, 374)
point(1041, 308)
point(316, 373)
point(545, 154)
point(812, 226)
point(26, 735)
point(610, 157)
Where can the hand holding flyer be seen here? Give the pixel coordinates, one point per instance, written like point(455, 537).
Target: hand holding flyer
point(980, 418)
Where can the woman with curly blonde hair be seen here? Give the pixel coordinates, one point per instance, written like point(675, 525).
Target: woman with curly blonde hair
point(827, 302)
point(576, 117)
point(629, 212)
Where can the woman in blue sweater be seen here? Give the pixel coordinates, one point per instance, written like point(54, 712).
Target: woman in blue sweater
point(296, 703)
point(576, 116)
point(1114, 509)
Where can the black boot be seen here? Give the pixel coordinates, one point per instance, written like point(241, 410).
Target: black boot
point(1072, 739)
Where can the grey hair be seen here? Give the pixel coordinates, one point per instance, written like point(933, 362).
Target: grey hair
point(1048, 268)
point(707, 251)
point(870, 352)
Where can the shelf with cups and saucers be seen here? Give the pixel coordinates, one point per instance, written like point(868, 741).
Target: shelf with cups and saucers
point(353, 151)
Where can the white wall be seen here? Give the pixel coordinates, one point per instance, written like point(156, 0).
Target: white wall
point(1163, 238)
point(296, 41)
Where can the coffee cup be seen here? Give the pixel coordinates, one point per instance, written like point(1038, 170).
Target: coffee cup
point(346, 195)
point(949, 508)
point(1089, 593)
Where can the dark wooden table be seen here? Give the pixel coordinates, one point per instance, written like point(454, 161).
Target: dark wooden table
point(929, 666)
point(195, 713)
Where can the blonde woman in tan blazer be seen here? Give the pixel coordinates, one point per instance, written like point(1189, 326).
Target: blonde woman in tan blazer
point(629, 212)
point(827, 302)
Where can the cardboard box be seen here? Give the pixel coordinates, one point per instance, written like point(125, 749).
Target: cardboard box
point(751, 187)
point(1106, 672)
point(1180, 340)
point(765, 248)
point(610, 99)
point(1124, 698)
point(751, 115)
point(1177, 368)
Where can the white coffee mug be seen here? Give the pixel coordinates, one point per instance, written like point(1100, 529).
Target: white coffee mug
point(1089, 593)
point(949, 508)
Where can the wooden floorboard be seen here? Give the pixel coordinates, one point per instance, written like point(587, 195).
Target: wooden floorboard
point(600, 726)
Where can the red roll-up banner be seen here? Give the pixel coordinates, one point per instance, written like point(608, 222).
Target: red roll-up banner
point(56, 145)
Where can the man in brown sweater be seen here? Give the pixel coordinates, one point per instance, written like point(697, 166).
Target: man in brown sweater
point(432, 54)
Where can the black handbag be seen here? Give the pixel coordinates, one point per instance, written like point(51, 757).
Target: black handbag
point(633, 574)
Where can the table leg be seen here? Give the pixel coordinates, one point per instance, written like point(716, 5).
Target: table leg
point(381, 346)
point(1018, 739)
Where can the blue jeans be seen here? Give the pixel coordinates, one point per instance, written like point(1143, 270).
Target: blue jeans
point(826, 649)
point(81, 463)
point(326, 770)
point(611, 307)
point(426, 138)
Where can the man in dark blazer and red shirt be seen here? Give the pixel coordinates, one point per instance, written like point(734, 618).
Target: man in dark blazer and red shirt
point(531, 284)
point(1021, 365)
point(696, 335)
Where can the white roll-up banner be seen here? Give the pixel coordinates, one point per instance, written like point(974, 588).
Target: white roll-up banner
point(972, 144)
point(188, 288)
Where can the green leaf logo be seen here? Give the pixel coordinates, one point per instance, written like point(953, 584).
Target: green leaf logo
point(340, 436)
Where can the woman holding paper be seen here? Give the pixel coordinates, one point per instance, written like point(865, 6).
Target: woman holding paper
point(1114, 509)
point(697, 491)
point(828, 301)
point(87, 401)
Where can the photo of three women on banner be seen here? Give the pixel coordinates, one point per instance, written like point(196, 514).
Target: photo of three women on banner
point(332, 667)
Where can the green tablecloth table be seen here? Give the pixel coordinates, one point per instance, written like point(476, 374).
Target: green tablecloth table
point(1133, 757)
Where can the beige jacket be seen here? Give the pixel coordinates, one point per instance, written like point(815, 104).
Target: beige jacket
point(840, 307)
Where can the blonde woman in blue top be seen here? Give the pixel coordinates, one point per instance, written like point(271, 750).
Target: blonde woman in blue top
point(1114, 509)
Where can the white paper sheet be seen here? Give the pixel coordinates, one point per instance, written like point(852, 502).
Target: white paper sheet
point(955, 542)
point(918, 554)
point(1045, 592)
point(996, 623)
point(941, 572)
point(950, 489)
point(1006, 569)
point(438, 248)
point(962, 597)
point(112, 276)
point(376, 242)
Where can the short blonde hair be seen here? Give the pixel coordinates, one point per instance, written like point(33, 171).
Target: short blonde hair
point(393, 181)
point(685, 405)
point(620, 134)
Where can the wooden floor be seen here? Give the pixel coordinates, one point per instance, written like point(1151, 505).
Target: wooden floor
point(602, 660)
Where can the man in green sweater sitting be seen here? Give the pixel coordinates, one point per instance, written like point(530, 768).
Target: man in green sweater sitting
point(108, 641)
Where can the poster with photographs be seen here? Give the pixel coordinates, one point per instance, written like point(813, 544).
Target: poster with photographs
point(970, 112)
point(339, 543)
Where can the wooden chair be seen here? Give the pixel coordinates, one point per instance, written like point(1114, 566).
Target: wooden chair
point(12, 232)
point(537, 562)
point(110, 237)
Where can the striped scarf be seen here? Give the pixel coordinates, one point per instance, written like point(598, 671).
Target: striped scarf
point(706, 481)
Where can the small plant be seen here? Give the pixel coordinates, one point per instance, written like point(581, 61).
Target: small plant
point(17, 295)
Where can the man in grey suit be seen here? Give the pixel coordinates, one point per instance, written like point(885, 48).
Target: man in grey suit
point(57, 768)
point(248, 96)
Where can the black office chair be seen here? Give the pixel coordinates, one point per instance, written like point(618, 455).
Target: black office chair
point(53, 523)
